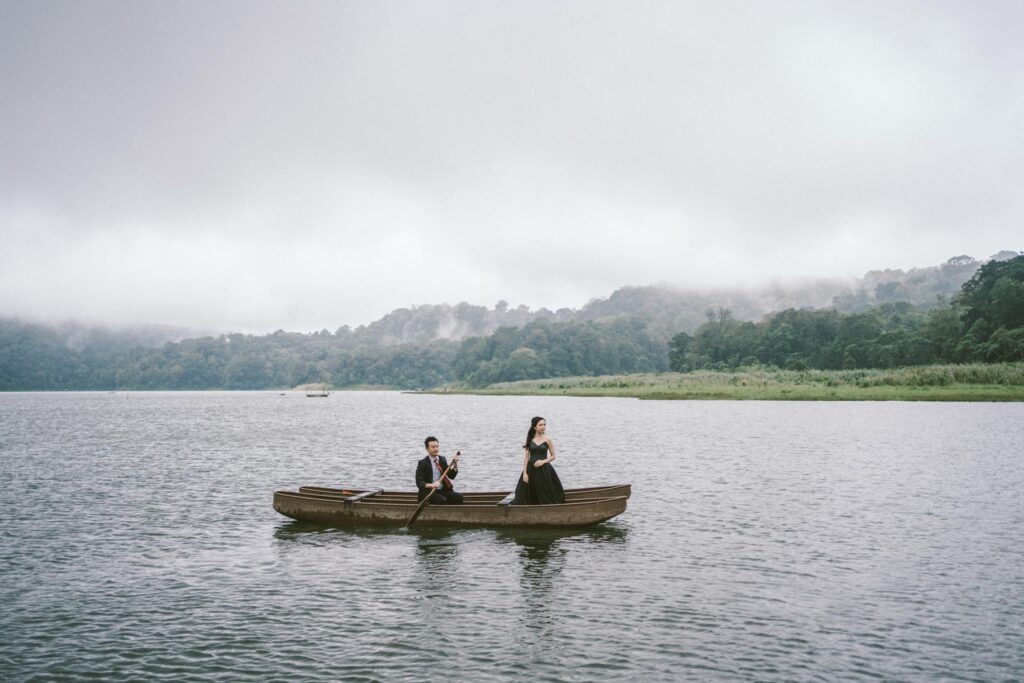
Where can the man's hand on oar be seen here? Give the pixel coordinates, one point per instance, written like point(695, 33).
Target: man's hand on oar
point(433, 488)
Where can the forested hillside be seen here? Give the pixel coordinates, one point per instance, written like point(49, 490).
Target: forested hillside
point(983, 323)
point(630, 331)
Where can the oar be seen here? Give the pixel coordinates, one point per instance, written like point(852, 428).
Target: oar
point(432, 491)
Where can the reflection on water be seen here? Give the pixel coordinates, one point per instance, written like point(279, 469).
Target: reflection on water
point(299, 531)
point(540, 563)
point(435, 576)
point(606, 533)
point(436, 549)
point(542, 555)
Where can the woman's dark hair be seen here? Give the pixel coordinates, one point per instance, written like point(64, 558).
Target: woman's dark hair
point(533, 431)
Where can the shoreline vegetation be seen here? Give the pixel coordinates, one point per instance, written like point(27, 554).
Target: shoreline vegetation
point(971, 382)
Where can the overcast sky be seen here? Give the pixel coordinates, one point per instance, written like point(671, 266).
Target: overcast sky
point(259, 165)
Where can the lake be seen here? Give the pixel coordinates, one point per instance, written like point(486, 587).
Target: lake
point(764, 541)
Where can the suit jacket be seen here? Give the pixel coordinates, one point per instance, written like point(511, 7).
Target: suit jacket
point(425, 473)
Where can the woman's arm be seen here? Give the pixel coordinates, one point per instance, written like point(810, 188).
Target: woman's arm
point(526, 464)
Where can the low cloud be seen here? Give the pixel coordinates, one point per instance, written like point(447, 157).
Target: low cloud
point(332, 162)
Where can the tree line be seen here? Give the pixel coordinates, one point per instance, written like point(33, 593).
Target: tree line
point(34, 357)
point(631, 332)
point(984, 322)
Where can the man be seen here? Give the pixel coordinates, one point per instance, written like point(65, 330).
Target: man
point(428, 476)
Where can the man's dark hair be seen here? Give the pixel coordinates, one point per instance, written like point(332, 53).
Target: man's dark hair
point(426, 441)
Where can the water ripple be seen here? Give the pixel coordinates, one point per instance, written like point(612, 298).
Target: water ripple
point(764, 541)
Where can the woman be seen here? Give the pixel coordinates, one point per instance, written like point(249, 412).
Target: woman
point(538, 483)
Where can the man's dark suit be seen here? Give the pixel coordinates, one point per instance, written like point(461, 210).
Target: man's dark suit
point(425, 475)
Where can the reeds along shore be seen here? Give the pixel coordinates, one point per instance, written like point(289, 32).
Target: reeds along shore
point(974, 382)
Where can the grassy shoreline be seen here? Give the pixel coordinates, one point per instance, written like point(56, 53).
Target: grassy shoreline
point(976, 382)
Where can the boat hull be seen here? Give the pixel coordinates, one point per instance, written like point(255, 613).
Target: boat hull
point(583, 507)
point(571, 495)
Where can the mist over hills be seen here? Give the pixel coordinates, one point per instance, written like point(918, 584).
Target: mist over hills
point(668, 310)
point(422, 346)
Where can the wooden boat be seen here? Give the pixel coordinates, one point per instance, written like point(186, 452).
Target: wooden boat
point(314, 392)
point(582, 507)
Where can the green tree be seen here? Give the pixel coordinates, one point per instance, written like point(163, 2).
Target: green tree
point(995, 294)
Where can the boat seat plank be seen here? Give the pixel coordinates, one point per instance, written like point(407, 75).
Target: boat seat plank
point(361, 496)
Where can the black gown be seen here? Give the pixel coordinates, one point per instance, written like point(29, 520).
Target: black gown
point(544, 488)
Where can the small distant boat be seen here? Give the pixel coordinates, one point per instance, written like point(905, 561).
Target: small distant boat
point(582, 507)
point(318, 393)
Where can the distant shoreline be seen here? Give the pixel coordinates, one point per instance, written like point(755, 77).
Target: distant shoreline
point(976, 382)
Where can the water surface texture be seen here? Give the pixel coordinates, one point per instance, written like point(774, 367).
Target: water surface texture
point(764, 541)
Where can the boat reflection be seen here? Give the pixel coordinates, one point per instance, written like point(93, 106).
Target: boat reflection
point(523, 536)
point(306, 531)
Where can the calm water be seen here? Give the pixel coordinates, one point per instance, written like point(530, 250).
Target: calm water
point(764, 541)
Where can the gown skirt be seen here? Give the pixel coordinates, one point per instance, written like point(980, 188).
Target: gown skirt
point(544, 488)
